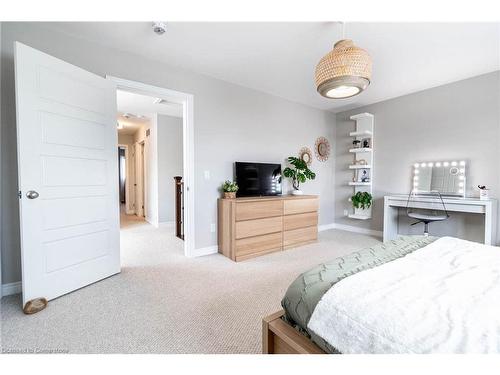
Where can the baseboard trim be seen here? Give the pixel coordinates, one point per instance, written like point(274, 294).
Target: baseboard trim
point(324, 227)
point(202, 251)
point(351, 228)
point(11, 288)
point(151, 221)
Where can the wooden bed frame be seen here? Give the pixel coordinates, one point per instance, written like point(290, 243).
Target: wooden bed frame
point(278, 337)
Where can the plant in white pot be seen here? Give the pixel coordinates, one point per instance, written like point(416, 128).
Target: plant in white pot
point(299, 173)
point(362, 201)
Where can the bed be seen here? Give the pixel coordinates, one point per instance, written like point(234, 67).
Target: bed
point(410, 295)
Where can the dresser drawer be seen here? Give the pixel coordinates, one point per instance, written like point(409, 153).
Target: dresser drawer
point(299, 206)
point(298, 236)
point(246, 247)
point(258, 210)
point(257, 227)
point(309, 219)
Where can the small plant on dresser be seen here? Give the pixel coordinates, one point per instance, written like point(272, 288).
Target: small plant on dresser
point(229, 188)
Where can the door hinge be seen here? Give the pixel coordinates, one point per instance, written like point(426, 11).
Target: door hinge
point(20, 194)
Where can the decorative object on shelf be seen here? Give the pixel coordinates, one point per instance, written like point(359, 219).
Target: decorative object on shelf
point(343, 72)
point(362, 200)
point(305, 154)
point(322, 149)
point(230, 188)
point(361, 162)
point(363, 175)
point(484, 193)
point(366, 143)
point(356, 143)
point(299, 173)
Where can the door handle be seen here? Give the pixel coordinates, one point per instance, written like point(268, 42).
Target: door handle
point(32, 194)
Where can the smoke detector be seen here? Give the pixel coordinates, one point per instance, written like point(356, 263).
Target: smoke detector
point(159, 27)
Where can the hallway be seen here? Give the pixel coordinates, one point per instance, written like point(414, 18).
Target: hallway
point(142, 244)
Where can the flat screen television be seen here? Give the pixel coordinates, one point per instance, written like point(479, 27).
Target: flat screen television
point(258, 179)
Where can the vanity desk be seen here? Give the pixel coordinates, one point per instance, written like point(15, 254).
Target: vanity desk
point(488, 208)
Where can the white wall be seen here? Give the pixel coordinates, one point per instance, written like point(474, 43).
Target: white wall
point(169, 164)
point(231, 123)
point(150, 168)
point(163, 160)
point(458, 121)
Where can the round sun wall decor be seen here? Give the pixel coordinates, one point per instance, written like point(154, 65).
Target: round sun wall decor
point(305, 154)
point(322, 149)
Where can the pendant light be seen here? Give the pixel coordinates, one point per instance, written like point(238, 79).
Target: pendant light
point(343, 72)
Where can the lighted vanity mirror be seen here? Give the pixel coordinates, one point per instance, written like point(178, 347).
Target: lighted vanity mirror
point(447, 177)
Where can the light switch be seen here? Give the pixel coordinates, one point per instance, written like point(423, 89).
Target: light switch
point(207, 175)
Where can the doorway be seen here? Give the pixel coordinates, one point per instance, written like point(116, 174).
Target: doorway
point(85, 172)
point(146, 167)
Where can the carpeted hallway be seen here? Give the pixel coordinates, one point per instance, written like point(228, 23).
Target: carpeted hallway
point(163, 302)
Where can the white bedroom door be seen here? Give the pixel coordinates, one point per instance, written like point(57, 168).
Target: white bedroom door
point(139, 179)
point(68, 175)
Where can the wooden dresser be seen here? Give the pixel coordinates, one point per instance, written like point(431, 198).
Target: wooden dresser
point(250, 227)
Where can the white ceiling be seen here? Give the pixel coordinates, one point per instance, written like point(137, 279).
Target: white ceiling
point(141, 108)
point(280, 58)
point(131, 125)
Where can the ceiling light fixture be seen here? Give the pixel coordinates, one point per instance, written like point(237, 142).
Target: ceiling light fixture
point(343, 72)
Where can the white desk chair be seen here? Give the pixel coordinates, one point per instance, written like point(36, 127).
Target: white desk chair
point(428, 215)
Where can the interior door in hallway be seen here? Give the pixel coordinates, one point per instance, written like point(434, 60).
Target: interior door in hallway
point(139, 179)
point(67, 153)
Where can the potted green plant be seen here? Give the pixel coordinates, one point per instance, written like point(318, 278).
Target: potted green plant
point(362, 201)
point(229, 188)
point(299, 173)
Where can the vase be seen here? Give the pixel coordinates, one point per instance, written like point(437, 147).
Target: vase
point(363, 211)
point(484, 194)
point(229, 195)
point(297, 192)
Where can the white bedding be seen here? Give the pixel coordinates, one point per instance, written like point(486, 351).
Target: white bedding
point(443, 298)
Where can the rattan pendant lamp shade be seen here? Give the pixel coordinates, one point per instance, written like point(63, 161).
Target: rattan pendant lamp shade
point(343, 72)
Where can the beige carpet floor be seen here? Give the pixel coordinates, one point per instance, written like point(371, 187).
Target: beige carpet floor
point(163, 302)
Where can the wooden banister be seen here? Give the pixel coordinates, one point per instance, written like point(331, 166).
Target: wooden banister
point(179, 207)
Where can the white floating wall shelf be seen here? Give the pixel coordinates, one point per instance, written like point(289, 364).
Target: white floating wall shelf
point(359, 217)
point(361, 149)
point(363, 130)
point(360, 166)
point(360, 183)
point(364, 133)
